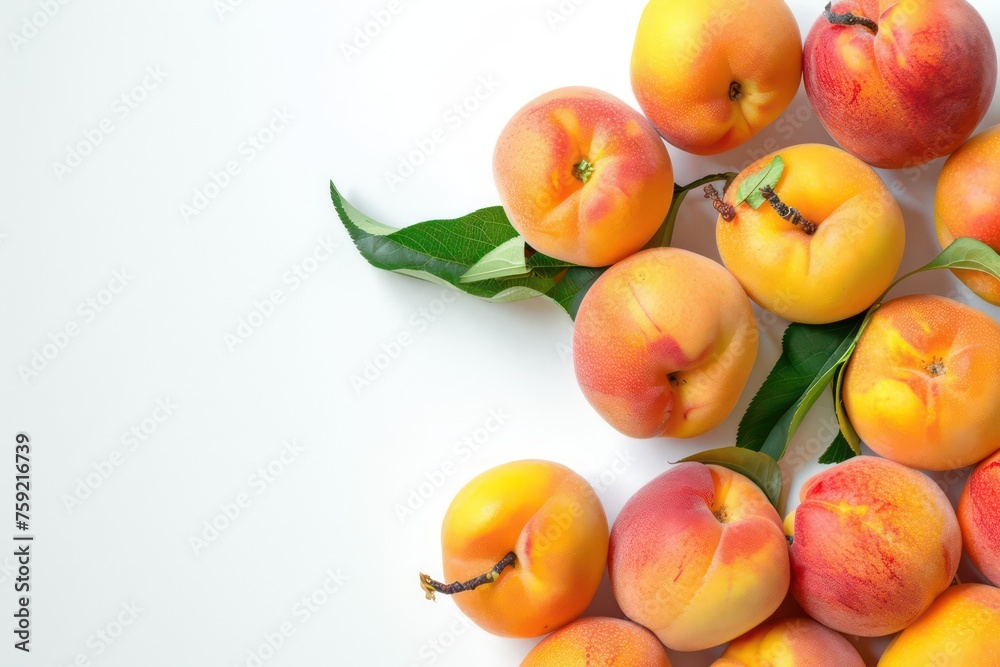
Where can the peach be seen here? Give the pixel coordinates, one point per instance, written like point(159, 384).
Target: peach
point(968, 204)
point(923, 386)
point(591, 642)
point(583, 177)
point(979, 517)
point(698, 557)
point(874, 543)
point(825, 274)
point(553, 523)
point(792, 642)
point(906, 83)
point(961, 629)
point(711, 74)
point(664, 343)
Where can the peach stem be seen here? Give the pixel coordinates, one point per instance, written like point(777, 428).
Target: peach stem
point(430, 586)
point(665, 233)
point(790, 214)
point(849, 19)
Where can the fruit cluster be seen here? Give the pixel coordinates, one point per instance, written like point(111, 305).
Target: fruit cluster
point(665, 341)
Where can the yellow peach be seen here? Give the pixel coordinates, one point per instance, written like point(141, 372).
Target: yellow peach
point(599, 642)
point(961, 629)
point(923, 386)
point(664, 343)
point(583, 177)
point(792, 642)
point(711, 74)
point(698, 557)
point(829, 274)
point(553, 523)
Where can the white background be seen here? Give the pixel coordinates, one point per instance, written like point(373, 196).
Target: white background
point(333, 508)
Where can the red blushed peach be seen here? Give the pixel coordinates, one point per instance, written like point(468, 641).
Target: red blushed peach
point(583, 177)
point(874, 543)
point(599, 642)
point(906, 82)
point(698, 557)
point(968, 204)
point(979, 516)
point(923, 386)
point(664, 344)
point(961, 629)
point(792, 642)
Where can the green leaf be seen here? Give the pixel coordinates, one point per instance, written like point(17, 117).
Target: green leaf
point(761, 469)
point(846, 427)
point(444, 252)
point(810, 356)
point(813, 356)
point(575, 283)
point(964, 253)
point(838, 452)
point(768, 176)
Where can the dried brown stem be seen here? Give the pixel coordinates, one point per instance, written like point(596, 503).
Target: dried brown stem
point(727, 211)
point(848, 19)
point(790, 214)
point(430, 586)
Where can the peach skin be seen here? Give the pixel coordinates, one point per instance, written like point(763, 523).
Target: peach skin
point(874, 543)
point(664, 343)
point(529, 540)
point(792, 642)
point(979, 516)
point(583, 177)
point(899, 84)
point(923, 386)
point(828, 272)
point(711, 74)
point(599, 642)
point(961, 629)
point(968, 204)
point(698, 557)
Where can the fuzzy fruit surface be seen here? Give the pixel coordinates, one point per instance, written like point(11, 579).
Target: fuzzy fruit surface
point(834, 273)
point(923, 386)
point(909, 93)
point(791, 642)
point(583, 177)
point(599, 641)
point(552, 520)
point(874, 543)
point(698, 557)
point(979, 516)
point(962, 627)
point(664, 343)
point(713, 73)
point(968, 204)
